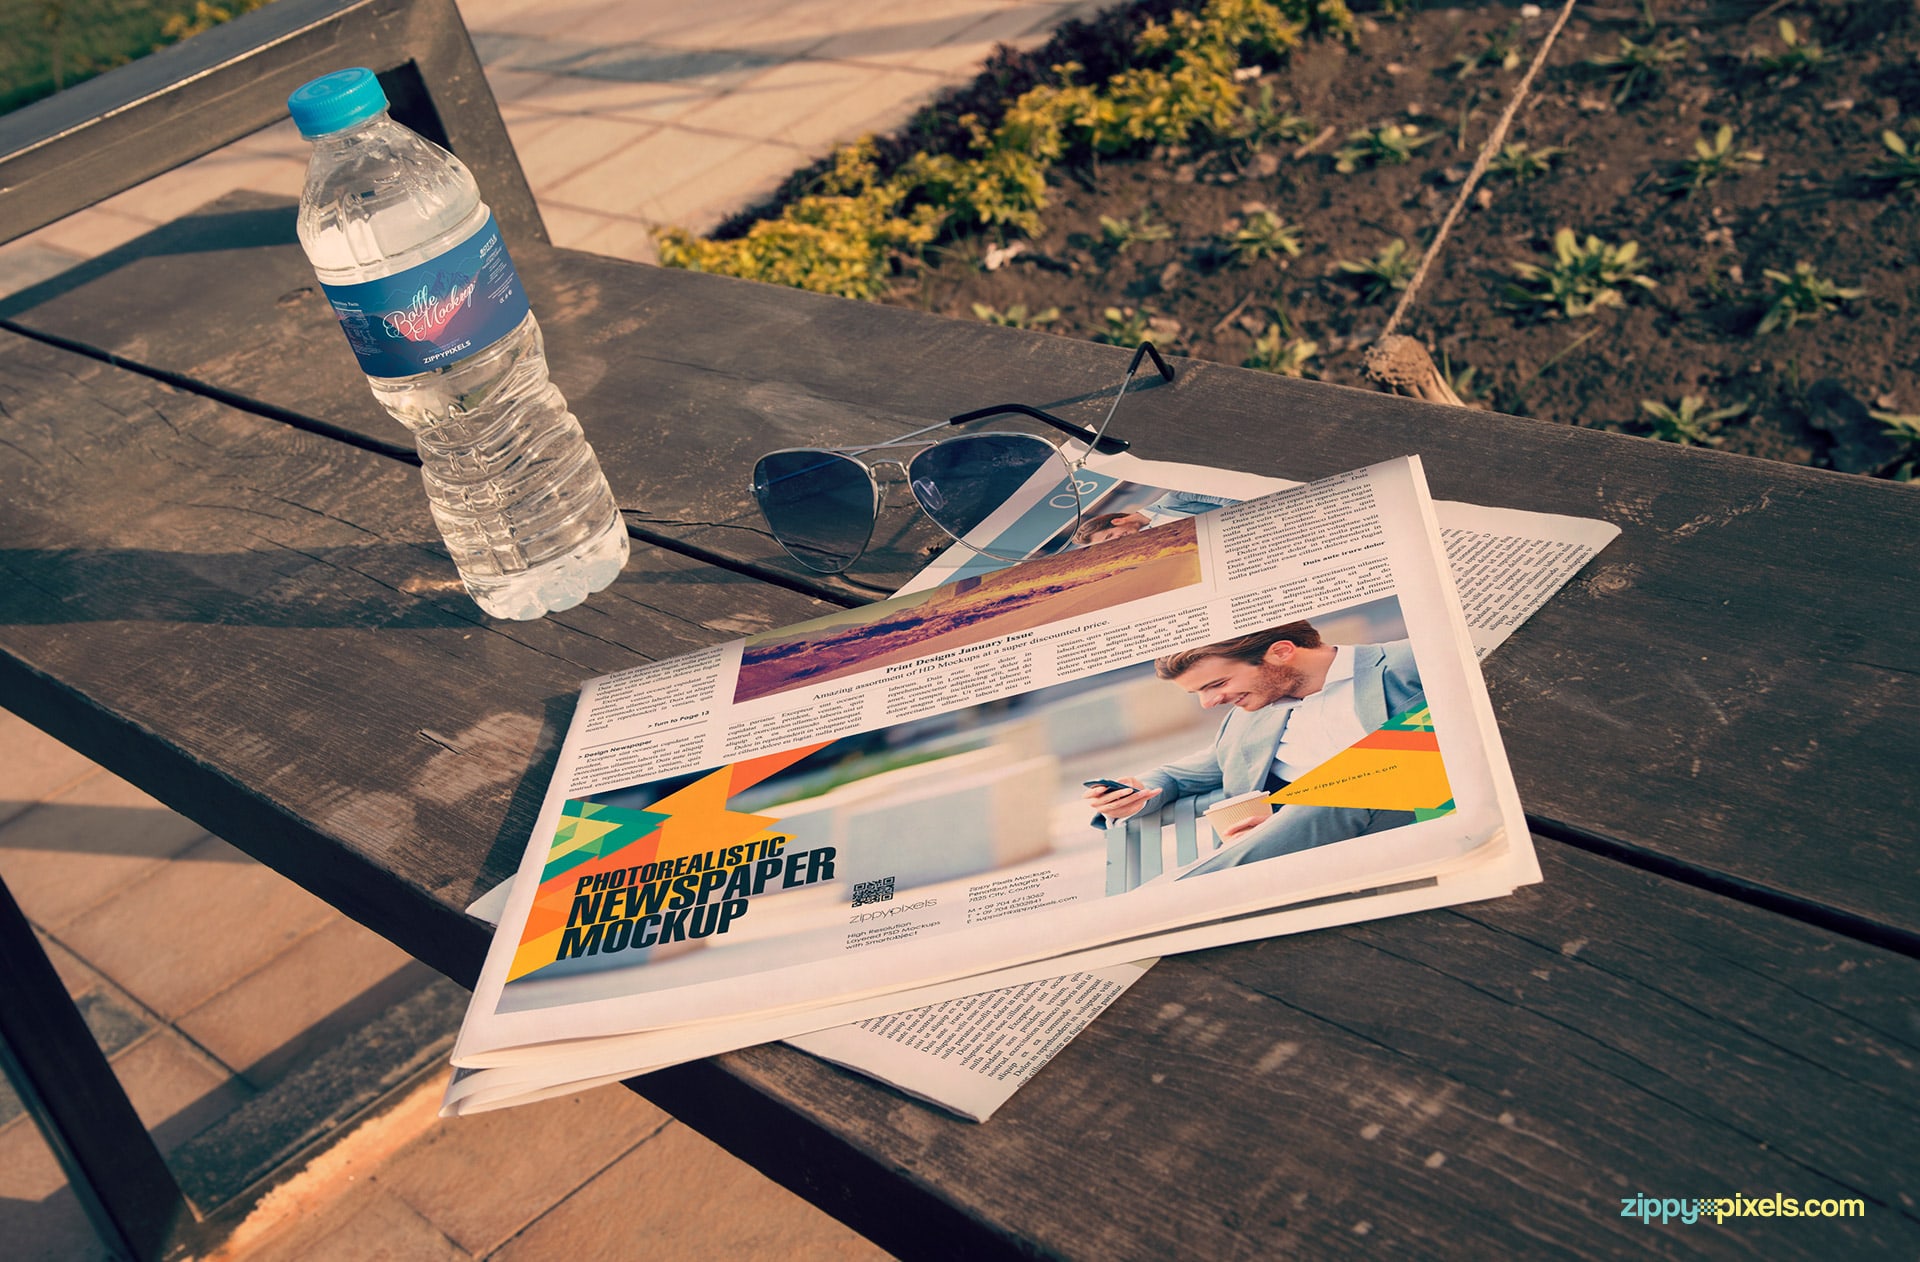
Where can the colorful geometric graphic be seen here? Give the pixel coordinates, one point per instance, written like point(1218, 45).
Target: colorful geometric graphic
point(1396, 768)
point(594, 837)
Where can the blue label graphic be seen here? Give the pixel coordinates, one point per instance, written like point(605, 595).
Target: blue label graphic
point(435, 313)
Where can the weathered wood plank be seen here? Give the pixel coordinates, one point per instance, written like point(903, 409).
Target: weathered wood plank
point(261, 627)
point(1678, 699)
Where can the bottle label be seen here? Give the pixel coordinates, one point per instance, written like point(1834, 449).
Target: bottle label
point(435, 313)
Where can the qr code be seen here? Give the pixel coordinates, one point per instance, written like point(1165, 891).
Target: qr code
point(880, 891)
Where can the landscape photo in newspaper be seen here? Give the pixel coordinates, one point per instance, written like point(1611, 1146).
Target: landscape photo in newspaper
point(968, 611)
point(980, 815)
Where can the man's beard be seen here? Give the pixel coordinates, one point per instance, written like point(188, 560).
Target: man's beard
point(1280, 682)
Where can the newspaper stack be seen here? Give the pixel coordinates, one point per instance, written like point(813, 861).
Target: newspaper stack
point(932, 837)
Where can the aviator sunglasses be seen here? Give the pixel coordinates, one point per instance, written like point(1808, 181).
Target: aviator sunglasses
point(822, 503)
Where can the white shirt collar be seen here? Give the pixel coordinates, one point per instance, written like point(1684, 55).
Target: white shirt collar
point(1342, 668)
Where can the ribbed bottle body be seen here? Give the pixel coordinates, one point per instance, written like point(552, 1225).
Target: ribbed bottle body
point(408, 254)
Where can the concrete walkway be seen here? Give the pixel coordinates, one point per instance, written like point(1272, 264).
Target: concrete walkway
point(235, 1046)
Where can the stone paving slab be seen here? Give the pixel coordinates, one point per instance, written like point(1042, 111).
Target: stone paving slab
point(83, 845)
point(40, 1218)
point(33, 767)
point(559, 1146)
point(116, 1024)
point(367, 1224)
point(781, 102)
point(320, 989)
point(323, 1096)
point(177, 1089)
point(554, 149)
point(194, 927)
point(908, 34)
point(696, 1201)
point(721, 24)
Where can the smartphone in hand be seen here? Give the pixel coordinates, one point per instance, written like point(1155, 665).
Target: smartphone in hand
point(1114, 785)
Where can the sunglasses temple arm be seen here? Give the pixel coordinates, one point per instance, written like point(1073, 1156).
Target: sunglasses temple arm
point(1096, 440)
point(1144, 350)
point(1111, 446)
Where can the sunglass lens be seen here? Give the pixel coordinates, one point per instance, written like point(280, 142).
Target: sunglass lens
point(819, 506)
point(963, 481)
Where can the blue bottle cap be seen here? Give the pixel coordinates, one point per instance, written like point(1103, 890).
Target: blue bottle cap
point(336, 100)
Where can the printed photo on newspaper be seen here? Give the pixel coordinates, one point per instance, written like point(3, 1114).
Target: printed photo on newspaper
point(831, 821)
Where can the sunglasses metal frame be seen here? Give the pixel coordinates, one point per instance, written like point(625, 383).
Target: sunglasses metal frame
point(1092, 440)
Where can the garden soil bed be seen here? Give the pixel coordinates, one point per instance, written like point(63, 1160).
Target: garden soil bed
point(1805, 392)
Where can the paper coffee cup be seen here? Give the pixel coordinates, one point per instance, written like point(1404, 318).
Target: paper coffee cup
point(1224, 815)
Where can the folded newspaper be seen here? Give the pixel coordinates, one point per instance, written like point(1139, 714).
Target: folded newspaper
point(889, 807)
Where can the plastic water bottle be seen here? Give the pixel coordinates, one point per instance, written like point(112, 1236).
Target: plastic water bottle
point(410, 258)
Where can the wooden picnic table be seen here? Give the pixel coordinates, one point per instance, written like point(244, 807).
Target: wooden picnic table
point(222, 583)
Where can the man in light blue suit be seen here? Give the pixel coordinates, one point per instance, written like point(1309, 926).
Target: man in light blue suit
point(1296, 702)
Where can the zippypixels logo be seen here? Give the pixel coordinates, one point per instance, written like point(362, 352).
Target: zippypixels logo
point(1695, 1209)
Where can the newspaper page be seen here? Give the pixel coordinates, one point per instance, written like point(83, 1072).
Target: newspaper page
point(702, 873)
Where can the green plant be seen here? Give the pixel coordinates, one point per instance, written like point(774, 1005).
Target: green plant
point(1686, 423)
point(1521, 163)
point(1583, 277)
point(1182, 80)
point(1121, 235)
point(1906, 428)
point(1460, 381)
point(1803, 294)
point(1796, 58)
point(1637, 66)
point(1501, 52)
point(1263, 235)
point(838, 240)
point(1016, 316)
point(1275, 352)
point(1712, 162)
point(1383, 275)
point(205, 17)
point(50, 45)
point(1123, 326)
point(1391, 144)
point(1263, 122)
point(1899, 171)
